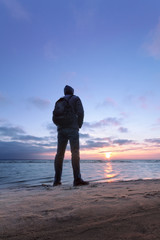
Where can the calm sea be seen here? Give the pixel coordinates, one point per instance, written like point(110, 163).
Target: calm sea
point(29, 173)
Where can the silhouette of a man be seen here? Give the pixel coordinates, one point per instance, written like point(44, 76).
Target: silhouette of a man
point(71, 134)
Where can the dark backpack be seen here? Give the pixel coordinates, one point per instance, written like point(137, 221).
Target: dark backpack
point(63, 113)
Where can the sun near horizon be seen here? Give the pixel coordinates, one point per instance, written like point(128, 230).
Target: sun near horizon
point(108, 155)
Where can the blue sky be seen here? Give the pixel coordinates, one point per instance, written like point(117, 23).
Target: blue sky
point(108, 51)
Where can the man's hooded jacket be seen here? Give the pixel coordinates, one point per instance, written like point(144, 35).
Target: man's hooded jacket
point(77, 106)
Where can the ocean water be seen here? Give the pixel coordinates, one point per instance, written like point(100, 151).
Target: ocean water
point(29, 173)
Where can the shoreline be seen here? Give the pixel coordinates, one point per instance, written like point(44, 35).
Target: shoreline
point(70, 185)
point(117, 210)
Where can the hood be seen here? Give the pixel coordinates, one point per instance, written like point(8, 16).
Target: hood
point(68, 90)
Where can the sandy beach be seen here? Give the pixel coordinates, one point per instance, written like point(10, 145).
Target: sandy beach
point(119, 211)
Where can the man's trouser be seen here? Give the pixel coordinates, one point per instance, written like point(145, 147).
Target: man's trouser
point(64, 135)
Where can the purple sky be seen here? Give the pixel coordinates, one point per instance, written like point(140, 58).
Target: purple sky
point(108, 51)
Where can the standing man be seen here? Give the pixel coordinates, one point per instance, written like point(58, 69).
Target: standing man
point(69, 130)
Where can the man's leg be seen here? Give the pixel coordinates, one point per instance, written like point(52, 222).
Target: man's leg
point(62, 143)
point(74, 143)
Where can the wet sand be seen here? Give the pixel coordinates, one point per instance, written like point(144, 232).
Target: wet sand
point(119, 211)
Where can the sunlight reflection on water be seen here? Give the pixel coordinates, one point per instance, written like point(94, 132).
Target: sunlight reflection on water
point(109, 174)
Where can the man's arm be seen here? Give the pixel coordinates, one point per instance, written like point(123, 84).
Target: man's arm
point(79, 112)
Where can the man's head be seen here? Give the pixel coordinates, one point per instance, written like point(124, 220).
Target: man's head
point(68, 90)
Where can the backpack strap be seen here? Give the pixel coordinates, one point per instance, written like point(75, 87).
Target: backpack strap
point(68, 100)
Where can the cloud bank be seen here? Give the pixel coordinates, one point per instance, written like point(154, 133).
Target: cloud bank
point(16, 144)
